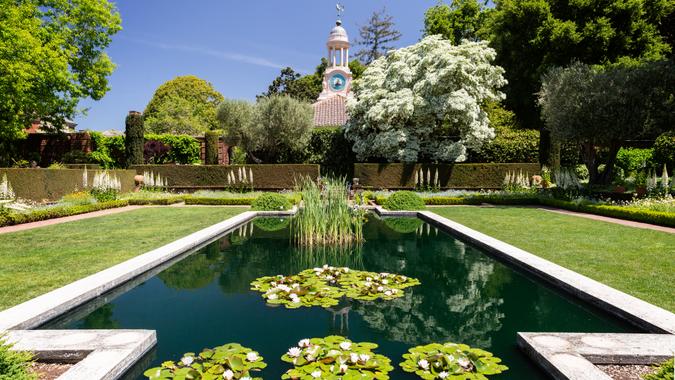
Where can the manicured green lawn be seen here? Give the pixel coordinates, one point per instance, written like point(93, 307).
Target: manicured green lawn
point(36, 261)
point(636, 261)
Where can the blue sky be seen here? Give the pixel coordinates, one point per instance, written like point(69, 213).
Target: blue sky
point(238, 46)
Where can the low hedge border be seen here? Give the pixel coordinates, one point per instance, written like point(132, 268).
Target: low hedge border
point(156, 202)
point(619, 212)
point(218, 201)
point(12, 219)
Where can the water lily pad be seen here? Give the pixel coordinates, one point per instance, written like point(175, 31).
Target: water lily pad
point(335, 357)
point(229, 361)
point(370, 286)
point(451, 361)
point(297, 291)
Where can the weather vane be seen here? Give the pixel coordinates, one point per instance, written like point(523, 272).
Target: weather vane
point(340, 8)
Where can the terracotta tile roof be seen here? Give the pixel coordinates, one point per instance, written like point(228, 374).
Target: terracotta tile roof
point(330, 112)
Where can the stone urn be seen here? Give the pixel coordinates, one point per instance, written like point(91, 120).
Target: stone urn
point(138, 181)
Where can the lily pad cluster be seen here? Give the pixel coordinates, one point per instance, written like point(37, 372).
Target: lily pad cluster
point(297, 291)
point(335, 357)
point(451, 361)
point(230, 361)
point(324, 286)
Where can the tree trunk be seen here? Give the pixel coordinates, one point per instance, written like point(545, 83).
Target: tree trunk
point(590, 157)
point(549, 150)
point(606, 177)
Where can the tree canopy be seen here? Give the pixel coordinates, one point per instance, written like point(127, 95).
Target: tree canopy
point(462, 19)
point(183, 105)
point(52, 56)
point(423, 102)
point(531, 36)
point(601, 108)
point(376, 36)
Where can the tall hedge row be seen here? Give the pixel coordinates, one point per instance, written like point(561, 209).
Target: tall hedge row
point(211, 140)
point(134, 138)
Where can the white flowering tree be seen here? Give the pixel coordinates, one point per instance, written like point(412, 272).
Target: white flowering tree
point(424, 102)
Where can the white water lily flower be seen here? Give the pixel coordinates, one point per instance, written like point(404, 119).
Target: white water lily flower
point(228, 374)
point(424, 364)
point(368, 279)
point(343, 368)
point(252, 356)
point(294, 352)
point(284, 288)
point(463, 362)
point(443, 375)
point(385, 282)
point(379, 289)
point(353, 357)
point(272, 296)
point(303, 342)
point(345, 345)
point(316, 374)
point(246, 378)
point(187, 360)
point(404, 278)
point(388, 293)
point(364, 358)
point(367, 284)
point(325, 266)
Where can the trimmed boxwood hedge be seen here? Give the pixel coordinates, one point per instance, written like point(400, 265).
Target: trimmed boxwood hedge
point(155, 202)
point(218, 201)
point(404, 201)
point(265, 177)
point(271, 202)
point(52, 184)
point(645, 216)
point(452, 176)
point(10, 219)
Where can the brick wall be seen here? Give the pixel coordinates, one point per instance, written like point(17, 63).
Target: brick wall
point(223, 156)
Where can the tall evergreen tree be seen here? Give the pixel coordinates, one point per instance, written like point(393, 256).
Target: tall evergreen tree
point(376, 36)
point(462, 19)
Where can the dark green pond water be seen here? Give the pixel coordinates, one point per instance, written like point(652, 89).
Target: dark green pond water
point(465, 296)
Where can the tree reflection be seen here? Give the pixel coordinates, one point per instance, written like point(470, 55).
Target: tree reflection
point(101, 318)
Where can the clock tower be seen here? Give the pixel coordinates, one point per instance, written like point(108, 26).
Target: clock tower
point(337, 79)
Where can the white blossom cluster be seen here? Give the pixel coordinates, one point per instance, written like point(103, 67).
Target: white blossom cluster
point(154, 181)
point(106, 181)
point(408, 103)
point(6, 191)
point(240, 176)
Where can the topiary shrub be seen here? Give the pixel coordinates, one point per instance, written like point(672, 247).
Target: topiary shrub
point(271, 202)
point(211, 140)
point(631, 160)
point(15, 364)
point(664, 150)
point(134, 140)
point(404, 200)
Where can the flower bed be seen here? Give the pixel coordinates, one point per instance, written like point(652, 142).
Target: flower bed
point(14, 218)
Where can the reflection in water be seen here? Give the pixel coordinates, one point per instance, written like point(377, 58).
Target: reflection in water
point(465, 296)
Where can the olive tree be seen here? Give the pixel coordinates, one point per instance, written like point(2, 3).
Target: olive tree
point(423, 102)
point(599, 109)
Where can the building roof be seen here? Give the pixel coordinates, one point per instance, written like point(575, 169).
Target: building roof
point(338, 34)
point(330, 112)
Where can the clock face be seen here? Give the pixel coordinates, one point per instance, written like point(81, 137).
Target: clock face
point(337, 82)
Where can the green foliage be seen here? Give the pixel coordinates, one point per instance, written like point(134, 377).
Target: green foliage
point(335, 357)
point(404, 201)
point(58, 212)
point(14, 365)
point(403, 225)
point(280, 124)
point(329, 148)
point(462, 19)
point(631, 160)
point(235, 117)
point(326, 217)
point(271, 202)
point(133, 139)
point(601, 109)
point(104, 195)
point(183, 105)
point(451, 361)
point(296, 291)
point(376, 36)
point(304, 88)
point(664, 150)
point(109, 152)
point(184, 148)
point(208, 201)
point(237, 156)
point(229, 361)
point(211, 140)
point(663, 372)
point(53, 56)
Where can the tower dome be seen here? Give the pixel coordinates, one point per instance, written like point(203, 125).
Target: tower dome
point(338, 35)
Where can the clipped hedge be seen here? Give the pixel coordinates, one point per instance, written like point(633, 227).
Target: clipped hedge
point(218, 201)
point(265, 177)
point(10, 219)
point(52, 184)
point(271, 202)
point(404, 201)
point(155, 202)
point(451, 176)
point(644, 216)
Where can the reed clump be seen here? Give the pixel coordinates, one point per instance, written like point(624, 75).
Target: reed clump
point(326, 217)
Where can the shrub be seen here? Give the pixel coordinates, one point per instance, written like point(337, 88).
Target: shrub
point(631, 160)
point(192, 200)
point(184, 149)
point(77, 198)
point(57, 212)
point(664, 150)
point(509, 146)
point(14, 365)
point(134, 141)
point(155, 152)
point(271, 202)
point(329, 148)
point(109, 151)
point(211, 140)
point(663, 372)
point(404, 200)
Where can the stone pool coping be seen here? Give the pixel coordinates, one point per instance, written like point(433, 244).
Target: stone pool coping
point(102, 354)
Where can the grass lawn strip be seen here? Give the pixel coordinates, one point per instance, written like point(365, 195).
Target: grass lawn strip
point(636, 261)
point(37, 261)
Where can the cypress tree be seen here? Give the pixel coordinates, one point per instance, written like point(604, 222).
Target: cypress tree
point(211, 140)
point(134, 138)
